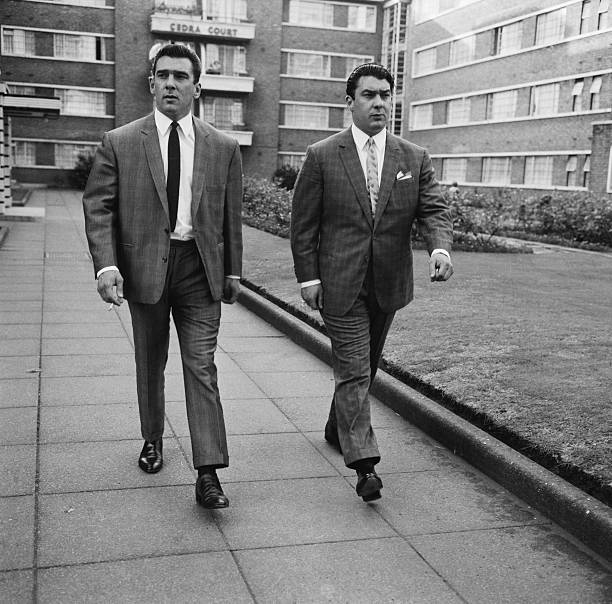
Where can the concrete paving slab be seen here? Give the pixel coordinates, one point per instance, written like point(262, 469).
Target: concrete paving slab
point(16, 587)
point(100, 316)
point(16, 332)
point(87, 390)
point(129, 523)
point(18, 469)
point(19, 317)
point(295, 512)
point(524, 564)
point(69, 365)
point(309, 414)
point(86, 346)
point(18, 366)
point(71, 467)
point(190, 578)
point(18, 425)
point(83, 330)
point(17, 530)
point(17, 293)
point(287, 360)
point(85, 423)
point(29, 305)
point(372, 570)
point(447, 500)
point(255, 327)
point(295, 383)
point(249, 416)
point(22, 347)
point(263, 345)
point(20, 392)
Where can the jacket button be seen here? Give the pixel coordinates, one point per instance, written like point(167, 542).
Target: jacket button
point(164, 259)
point(167, 231)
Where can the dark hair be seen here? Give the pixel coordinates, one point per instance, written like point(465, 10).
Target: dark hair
point(368, 69)
point(179, 51)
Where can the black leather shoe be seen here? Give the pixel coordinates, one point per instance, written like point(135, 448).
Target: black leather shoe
point(151, 459)
point(331, 436)
point(368, 486)
point(209, 493)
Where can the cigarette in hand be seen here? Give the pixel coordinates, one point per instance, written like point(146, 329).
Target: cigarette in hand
point(110, 306)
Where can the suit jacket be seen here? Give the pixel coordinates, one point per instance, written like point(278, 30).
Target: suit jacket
point(126, 207)
point(333, 235)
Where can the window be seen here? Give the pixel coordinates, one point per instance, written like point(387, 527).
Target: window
point(25, 90)
point(18, 42)
point(295, 160)
point(594, 93)
point(496, 170)
point(226, 10)
point(308, 65)
point(224, 59)
point(508, 38)
point(458, 111)
point(544, 99)
point(66, 154)
point(501, 105)
point(602, 14)
point(422, 116)
point(428, 9)
point(426, 60)
point(362, 18)
point(577, 95)
point(311, 14)
point(24, 154)
point(462, 50)
point(306, 116)
point(223, 113)
point(585, 15)
point(538, 170)
point(570, 170)
point(454, 169)
point(81, 102)
point(354, 17)
point(550, 27)
point(586, 171)
point(183, 7)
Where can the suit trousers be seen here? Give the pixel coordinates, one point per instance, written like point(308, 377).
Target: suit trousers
point(196, 317)
point(357, 340)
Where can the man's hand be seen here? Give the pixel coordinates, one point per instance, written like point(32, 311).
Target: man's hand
point(313, 296)
point(110, 287)
point(440, 267)
point(231, 289)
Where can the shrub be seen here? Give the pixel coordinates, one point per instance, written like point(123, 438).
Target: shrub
point(82, 168)
point(266, 206)
point(285, 177)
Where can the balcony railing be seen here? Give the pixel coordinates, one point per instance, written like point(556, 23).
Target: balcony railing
point(226, 83)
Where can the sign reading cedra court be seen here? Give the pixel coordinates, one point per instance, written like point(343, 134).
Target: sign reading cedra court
point(169, 24)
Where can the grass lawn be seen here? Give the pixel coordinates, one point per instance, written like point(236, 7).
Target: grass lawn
point(520, 344)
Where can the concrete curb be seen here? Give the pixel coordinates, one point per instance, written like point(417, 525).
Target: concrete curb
point(585, 517)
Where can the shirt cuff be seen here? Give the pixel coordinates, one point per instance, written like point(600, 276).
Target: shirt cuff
point(439, 250)
point(309, 283)
point(106, 269)
point(232, 277)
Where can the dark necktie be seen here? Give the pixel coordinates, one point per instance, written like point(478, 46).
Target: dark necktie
point(174, 174)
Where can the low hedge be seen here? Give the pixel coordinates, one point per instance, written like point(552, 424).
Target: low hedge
point(479, 219)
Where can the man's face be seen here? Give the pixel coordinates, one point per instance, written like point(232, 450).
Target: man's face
point(371, 106)
point(173, 87)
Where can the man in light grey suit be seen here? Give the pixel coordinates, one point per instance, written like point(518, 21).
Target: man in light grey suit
point(163, 220)
point(354, 204)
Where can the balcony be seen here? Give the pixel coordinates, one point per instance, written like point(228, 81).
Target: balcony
point(18, 105)
point(226, 83)
point(244, 137)
point(186, 19)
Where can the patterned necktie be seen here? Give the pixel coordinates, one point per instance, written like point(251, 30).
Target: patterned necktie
point(372, 173)
point(174, 174)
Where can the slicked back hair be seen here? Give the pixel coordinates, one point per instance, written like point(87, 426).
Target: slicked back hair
point(368, 69)
point(179, 51)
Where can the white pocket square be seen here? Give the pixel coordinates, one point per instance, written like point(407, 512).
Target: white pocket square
point(401, 176)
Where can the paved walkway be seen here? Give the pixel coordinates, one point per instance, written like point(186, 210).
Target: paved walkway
point(79, 522)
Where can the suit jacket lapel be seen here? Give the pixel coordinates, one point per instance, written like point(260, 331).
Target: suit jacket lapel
point(150, 141)
point(201, 159)
point(354, 171)
point(389, 171)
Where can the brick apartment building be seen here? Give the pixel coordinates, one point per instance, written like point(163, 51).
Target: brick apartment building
point(517, 94)
point(514, 93)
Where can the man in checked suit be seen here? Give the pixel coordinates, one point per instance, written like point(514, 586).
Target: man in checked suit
point(354, 203)
point(163, 220)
